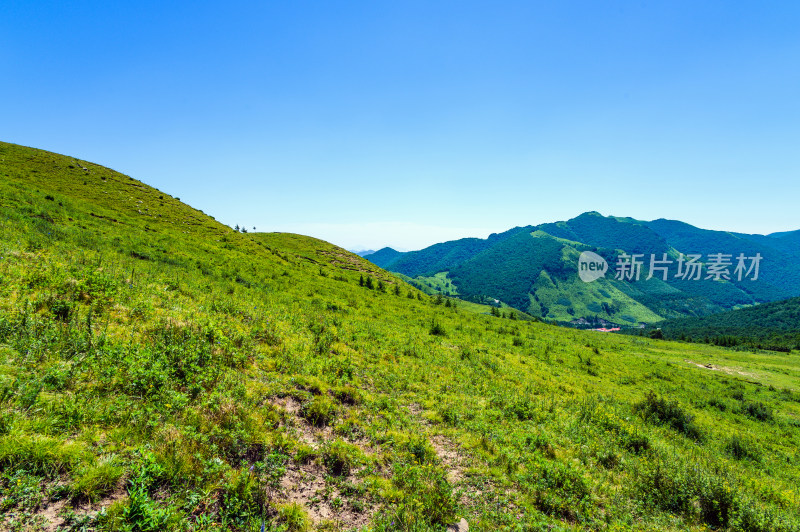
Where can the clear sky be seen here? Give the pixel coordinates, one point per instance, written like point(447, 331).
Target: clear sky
point(408, 123)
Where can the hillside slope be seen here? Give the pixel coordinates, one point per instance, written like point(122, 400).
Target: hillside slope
point(159, 371)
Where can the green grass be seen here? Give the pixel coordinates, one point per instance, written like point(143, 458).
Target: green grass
point(180, 373)
point(435, 284)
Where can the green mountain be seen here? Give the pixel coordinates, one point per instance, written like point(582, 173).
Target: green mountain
point(160, 371)
point(535, 269)
point(773, 325)
point(383, 256)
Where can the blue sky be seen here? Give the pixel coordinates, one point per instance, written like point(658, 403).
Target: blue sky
point(407, 123)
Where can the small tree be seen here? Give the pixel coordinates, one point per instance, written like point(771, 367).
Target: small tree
point(437, 329)
point(361, 280)
point(370, 284)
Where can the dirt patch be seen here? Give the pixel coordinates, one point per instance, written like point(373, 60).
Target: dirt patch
point(308, 484)
point(304, 431)
point(52, 513)
point(723, 369)
point(415, 410)
point(450, 455)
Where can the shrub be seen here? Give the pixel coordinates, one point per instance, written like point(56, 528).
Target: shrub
point(758, 411)
point(339, 457)
point(718, 404)
point(742, 449)
point(239, 498)
point(436, 329)
point(450, 415)
point(717, 500)
point(61, 309)
point(635, 442)
point(689, 490)
point(427, 499)
point(665, 485)
point(421, 450)
point(523, 409)
point(561, 491)
point(659, 410)
point(749, 517)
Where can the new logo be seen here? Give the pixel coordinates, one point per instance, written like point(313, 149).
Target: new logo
point(591, 266)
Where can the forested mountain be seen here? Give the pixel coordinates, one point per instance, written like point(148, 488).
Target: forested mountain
point(383, 256)
point(773, 325)
point(535, 269)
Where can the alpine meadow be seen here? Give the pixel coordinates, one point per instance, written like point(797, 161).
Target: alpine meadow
point(161, 371)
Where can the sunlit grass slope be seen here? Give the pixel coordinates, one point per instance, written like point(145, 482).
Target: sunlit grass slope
point(159, 371)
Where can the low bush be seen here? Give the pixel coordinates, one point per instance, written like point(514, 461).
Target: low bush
point(340, 457)
point(427, 503)
point(436, 329)
point(656, 409)
point(758, 411)
point(742, 449)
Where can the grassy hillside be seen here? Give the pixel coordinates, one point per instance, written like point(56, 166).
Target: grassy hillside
point(159, 371)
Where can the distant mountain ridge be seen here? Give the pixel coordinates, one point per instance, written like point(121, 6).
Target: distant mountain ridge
point(383, 256)
point(534, 268)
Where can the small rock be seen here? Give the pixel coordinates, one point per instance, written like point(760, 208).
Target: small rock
point(461, 526)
